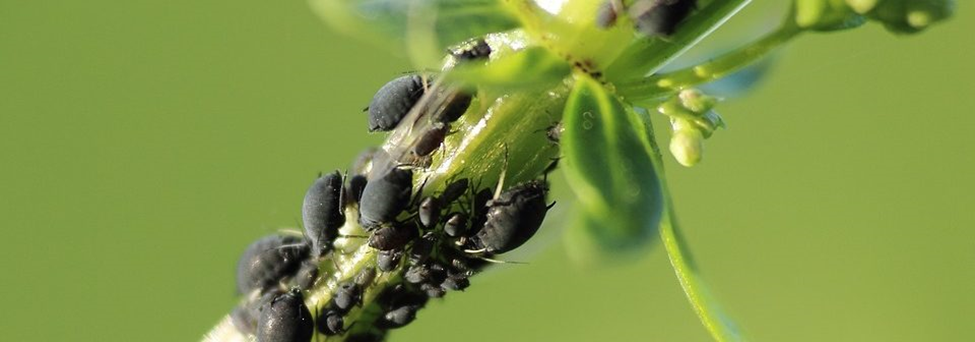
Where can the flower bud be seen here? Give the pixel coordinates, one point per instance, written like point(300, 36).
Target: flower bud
point(687, 142)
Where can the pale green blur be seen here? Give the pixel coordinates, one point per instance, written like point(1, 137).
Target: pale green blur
point(144, 144)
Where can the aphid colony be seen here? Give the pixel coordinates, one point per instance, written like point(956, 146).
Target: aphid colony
point(434, 241)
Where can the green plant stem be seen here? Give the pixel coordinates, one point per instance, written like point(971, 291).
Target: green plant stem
point(662, 85)
point(707, 309)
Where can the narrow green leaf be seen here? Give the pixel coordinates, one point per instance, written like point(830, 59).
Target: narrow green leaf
point(610, 168)
point(420, 28)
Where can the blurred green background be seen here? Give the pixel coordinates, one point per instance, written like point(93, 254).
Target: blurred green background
point(144, 144)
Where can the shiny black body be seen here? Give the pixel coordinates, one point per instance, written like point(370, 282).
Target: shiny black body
point(346, 296)
point(392, 237)
point(331, 323)
point(478, 49)
point(387, 261)
point(456, 225)
point(322, 213)
point(455, 106)
point(429, 212)
point(513, 217)
point(453, 191)
point(285, 319)
point(398, 317)
point(431, 140)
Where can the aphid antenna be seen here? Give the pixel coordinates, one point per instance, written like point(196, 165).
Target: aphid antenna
point(345, 177)
point(504, 172)
point(292, 231)
point(550, 168)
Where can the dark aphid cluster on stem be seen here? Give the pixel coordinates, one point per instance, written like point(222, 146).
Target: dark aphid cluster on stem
point(427, 242)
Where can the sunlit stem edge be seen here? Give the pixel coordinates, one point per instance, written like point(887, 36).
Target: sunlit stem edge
point(663, 85)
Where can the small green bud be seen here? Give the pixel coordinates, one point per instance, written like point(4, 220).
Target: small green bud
point(687, 142)
point(689, 104)
point(826, 15)
point(911, 16)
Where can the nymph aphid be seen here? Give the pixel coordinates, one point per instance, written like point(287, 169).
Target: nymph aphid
point(393, 237)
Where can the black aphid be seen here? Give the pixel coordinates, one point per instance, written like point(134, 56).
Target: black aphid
point(384, 197)
point(399, 317)
point(453, 191)
point(356, 184)
point(393, 101)
point(455, 283)
point(513, 217)
point(433, 290)
point(473, 50)
point(430, 140)
point(285, 319)
point(346, 296)
point(387, 261)
point(422, 248)
point(479, 215)
point(269, 260)
point(322, 213)
point(429, 212)
point(417, 274)
point(660, 17)
point(331, 323)
point(456, 225)
point(392, 237)
point(607, 13)
point(456, 104)
point(365, 277)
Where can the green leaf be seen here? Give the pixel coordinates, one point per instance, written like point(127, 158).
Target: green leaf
point(420, 28)
point(530, 67)
point(610, 168)
point(719, 324)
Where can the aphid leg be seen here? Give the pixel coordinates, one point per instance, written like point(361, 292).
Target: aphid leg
point(551, 167)
point(504, 171)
